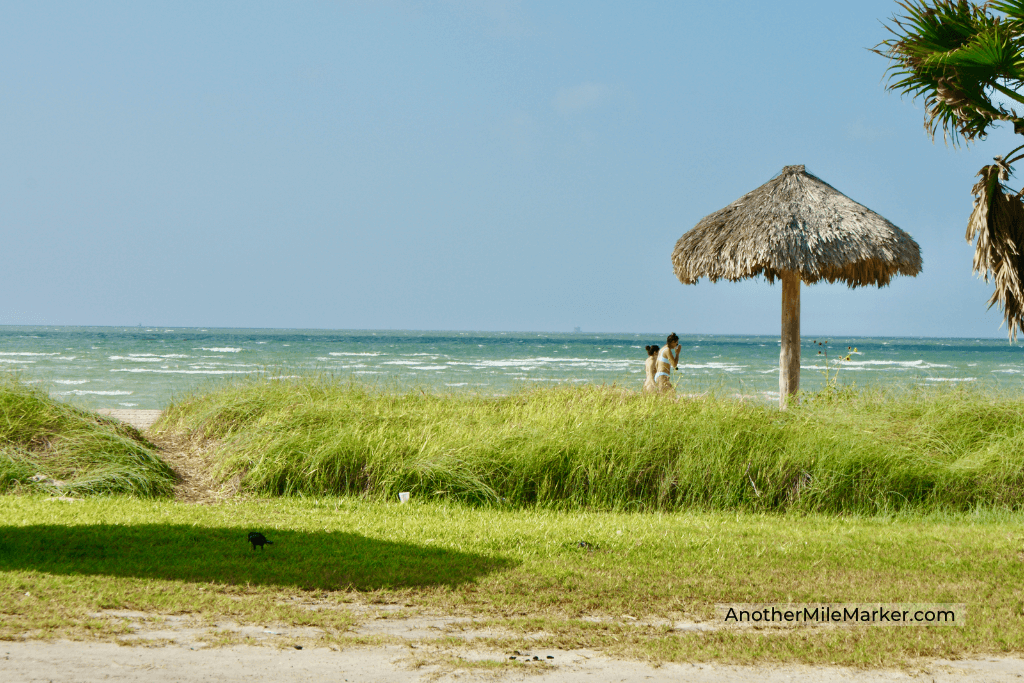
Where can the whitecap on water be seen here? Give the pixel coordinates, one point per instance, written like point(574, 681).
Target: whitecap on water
point(538, 361)
point(728, 367)
point(27, 353)
point(83, 392)
point(919, 363)
point(182, 372)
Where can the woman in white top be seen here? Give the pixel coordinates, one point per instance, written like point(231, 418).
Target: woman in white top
point(649, 368)
point(667, 362)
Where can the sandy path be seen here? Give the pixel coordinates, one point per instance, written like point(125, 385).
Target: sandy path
point(195, 483)
point(86, 662)
point(140, 419)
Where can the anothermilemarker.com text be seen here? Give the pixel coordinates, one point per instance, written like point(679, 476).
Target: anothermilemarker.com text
point(953, 614)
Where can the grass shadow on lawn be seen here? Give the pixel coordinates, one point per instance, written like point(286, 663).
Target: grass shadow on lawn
point(327, 560)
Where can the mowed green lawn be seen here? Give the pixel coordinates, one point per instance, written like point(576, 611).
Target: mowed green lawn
point(521, 570)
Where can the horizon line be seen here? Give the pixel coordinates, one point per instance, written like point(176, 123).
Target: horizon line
point(156, 328)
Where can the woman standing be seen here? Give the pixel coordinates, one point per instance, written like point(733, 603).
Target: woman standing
point(649, 368)
point(667, 361)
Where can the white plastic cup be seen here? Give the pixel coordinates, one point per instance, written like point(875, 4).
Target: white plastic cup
point(403, 497)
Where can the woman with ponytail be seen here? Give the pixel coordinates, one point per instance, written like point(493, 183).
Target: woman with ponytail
point(649, 366)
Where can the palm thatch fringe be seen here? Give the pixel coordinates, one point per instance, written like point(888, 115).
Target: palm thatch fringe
point(997, 223)
point(796, 222)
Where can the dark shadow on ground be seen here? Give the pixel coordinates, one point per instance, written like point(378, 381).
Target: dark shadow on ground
point(328, 560)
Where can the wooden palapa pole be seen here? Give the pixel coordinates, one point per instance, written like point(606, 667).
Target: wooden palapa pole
point(789, 358)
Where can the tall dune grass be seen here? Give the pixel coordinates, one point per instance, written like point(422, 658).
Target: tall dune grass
point(606, 448)
point(76, 452)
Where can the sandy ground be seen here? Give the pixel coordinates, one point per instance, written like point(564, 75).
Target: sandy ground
point(172, 648)
point(140, 419)
point(86, 662)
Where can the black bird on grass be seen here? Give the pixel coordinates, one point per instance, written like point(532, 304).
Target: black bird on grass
point(258, 539)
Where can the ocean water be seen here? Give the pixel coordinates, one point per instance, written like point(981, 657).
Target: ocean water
point(114, 367)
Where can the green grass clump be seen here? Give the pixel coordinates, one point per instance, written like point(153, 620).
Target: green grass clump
point(606, 448)
point(77, 452)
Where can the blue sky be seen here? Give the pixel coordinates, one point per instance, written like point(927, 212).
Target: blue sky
point(453, 165)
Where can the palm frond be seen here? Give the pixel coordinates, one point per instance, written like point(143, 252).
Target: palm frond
point(1013, 9)
point(990, 53)
point(953, 54)
point(997, 225)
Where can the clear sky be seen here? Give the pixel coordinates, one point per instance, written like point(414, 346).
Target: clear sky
point(453, 165)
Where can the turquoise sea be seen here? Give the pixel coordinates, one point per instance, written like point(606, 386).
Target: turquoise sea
point(145, 367)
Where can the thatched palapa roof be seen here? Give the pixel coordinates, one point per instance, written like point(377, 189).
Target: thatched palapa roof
point(799, 223)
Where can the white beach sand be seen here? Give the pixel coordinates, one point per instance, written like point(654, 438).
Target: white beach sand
point(140, 419)
point(84, 662)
